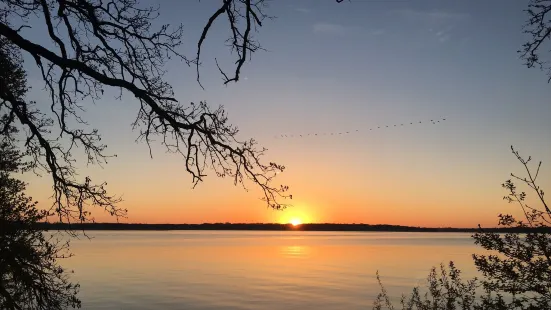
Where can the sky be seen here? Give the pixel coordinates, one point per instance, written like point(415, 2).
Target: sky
point(351, 66)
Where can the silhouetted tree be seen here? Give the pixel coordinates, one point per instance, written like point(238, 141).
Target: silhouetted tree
point(95, 45)
point(523, 266)
point(100, 44)
point(538, 27)
point(517, 273)
point(30, 277)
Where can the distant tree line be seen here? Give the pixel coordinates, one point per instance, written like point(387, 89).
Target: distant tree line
point(279, 227)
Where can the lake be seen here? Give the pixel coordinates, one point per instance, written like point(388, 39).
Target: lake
point(256, 269)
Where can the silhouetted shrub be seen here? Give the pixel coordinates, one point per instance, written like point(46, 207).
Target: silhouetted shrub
point(516, 274)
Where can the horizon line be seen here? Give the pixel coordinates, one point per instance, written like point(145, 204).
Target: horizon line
point(270, 223)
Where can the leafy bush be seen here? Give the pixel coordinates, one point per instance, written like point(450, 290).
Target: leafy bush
point(516, 273)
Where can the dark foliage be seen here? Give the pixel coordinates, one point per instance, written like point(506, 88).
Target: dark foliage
point(30, 277)
point(445, 290)
point(521, 266)
point(516, 273)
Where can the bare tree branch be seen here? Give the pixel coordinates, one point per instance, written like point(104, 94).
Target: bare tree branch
point(101, 44)
point(538, 27)
point(238, 12)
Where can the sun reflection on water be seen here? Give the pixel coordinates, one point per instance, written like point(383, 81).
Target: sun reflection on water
point(294, 251)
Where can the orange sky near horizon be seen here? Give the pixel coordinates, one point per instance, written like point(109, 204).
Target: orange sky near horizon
point(434, 199)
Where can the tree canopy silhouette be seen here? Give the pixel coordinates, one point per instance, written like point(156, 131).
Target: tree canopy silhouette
point(30, 276)
point(101, 44)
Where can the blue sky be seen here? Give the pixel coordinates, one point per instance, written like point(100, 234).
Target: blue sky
point(342, 67)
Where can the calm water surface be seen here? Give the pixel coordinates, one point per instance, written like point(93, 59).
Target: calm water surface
point(256, 270)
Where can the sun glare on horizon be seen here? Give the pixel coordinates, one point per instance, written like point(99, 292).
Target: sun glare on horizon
point(295, 222)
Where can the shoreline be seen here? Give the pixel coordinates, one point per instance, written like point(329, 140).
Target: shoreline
point(274, 227)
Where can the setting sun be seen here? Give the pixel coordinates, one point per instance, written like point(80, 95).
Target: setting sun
point(295, 222)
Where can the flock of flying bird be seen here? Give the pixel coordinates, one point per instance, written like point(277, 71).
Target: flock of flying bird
point(432, 121)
